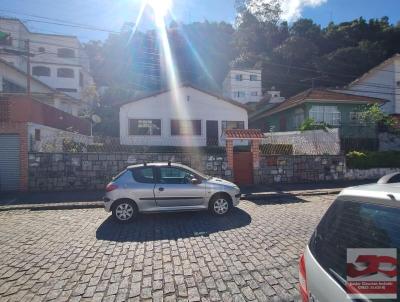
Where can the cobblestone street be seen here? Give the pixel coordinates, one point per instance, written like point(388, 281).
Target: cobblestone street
point(83, 255)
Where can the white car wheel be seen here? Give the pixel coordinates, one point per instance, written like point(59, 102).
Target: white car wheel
point(220, 205)
point(125, 211)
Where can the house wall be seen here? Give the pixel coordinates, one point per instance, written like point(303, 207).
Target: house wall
point(382, 83)
point(231, 85)
point(51, 139)
point(344, 109)
point(192, 104)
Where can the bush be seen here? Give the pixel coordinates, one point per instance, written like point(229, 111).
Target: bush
point(311, 124)
point(367, 160)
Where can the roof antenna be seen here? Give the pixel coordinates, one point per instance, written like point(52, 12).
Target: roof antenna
point(169, 163)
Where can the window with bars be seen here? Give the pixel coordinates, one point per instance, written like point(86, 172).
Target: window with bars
point(239, 77)
point(65, 53)
point(185, 127)
point(325, 114)
point(150, 127)
point(357, 117)
point(253, 77)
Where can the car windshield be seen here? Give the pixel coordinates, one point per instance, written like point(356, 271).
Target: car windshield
point(195, 172)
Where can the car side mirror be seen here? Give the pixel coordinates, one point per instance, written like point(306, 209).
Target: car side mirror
point(195, 181)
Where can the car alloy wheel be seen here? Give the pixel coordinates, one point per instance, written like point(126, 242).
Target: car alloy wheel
point(124, 211)
point(221, 206)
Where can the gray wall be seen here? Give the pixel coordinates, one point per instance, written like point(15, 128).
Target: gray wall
point(92, 171)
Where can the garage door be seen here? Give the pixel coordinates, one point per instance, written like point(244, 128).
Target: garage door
point(9, 162)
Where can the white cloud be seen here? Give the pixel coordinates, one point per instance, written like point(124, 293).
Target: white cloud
point(292, 9)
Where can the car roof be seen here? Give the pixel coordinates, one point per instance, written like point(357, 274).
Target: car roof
point(157, 164)
point(382, 191)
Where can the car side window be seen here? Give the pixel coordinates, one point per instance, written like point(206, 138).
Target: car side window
point(143, 174)
point(173, 175)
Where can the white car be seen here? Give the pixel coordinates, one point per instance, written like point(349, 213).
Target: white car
point(166, 187)
point(362, 217)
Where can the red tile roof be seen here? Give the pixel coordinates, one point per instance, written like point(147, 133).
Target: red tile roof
point(244, 134)
point(321, 95)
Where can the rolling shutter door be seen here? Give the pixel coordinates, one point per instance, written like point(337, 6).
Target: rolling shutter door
point(9, 162)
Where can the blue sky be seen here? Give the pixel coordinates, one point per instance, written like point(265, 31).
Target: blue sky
point(111, 14)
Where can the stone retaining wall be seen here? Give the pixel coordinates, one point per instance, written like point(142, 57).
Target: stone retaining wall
point(300, 168)
point(91, 171)
point(389, 141)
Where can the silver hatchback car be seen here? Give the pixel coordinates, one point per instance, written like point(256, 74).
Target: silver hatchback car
point(167, 187)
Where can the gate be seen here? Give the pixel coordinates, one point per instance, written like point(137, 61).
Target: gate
point(243, 168)
point(9, 162)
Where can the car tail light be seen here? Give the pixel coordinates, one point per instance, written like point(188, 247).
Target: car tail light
point(303, 279)
point(111, 186)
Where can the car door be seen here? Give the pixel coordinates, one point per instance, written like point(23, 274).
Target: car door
point(142, 190)
point(174, 189)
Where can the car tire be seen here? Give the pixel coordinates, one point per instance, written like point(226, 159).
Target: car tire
point(125, 211)
point(220, 205)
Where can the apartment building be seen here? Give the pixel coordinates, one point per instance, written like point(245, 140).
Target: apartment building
point(243, 85)
point(56, 60)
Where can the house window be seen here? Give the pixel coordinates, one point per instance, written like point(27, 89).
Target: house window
point(254, 93)
point(185, 127)
point(67, 89)
point(298, 117)
point(231, 125)
point(65, 53)
point(325, 114)
point(41, 71)
point(5, 39)
point(144, 127)
point(37, 134)
point(65, 73)
point(239, 94)
point(41, 49)
point(239, 77)
point(11, 87)
point(253, 77)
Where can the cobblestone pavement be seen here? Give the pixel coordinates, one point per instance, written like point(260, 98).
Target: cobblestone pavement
point(82, 255)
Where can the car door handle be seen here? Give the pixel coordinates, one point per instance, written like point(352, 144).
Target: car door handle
point(160, 189)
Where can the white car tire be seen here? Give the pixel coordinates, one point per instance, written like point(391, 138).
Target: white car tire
point(220, 205)
point(125, 211)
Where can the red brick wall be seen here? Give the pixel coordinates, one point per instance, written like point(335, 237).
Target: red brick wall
point(22, 130)
point(25, 109)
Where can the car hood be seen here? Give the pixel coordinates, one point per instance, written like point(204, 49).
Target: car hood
point(219, 181)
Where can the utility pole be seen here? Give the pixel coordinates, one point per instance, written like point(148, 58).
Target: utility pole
point(28, 68)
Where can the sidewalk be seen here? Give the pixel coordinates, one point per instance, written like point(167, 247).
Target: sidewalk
point(51, 200)
point(93, 199)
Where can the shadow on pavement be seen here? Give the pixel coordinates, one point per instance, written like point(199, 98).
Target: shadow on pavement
point(277, 199)
point(171, 226)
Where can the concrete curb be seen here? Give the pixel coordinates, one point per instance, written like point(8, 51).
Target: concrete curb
point(53, 206)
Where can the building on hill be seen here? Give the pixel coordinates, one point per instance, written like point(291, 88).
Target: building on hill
point(243, 85)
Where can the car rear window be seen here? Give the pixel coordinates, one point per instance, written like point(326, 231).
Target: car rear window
point(350, 224)
point(143, 175)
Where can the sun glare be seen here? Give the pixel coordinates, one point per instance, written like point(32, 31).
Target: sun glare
point(160, 7)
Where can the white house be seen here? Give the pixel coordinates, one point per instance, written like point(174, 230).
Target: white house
point(243, 85)
point(186, 116)
point(382, 81)
point(57, 60)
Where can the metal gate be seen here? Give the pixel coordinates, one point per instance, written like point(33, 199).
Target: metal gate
point(9, 162)
point(243, 168)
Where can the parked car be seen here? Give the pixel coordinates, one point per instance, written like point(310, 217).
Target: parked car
point(166, 187)
point(362, 217)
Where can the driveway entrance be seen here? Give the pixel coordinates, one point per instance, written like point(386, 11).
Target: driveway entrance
point(243, 168)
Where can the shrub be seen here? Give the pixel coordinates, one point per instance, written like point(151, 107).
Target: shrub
point(367, 160)
point(311, 124)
